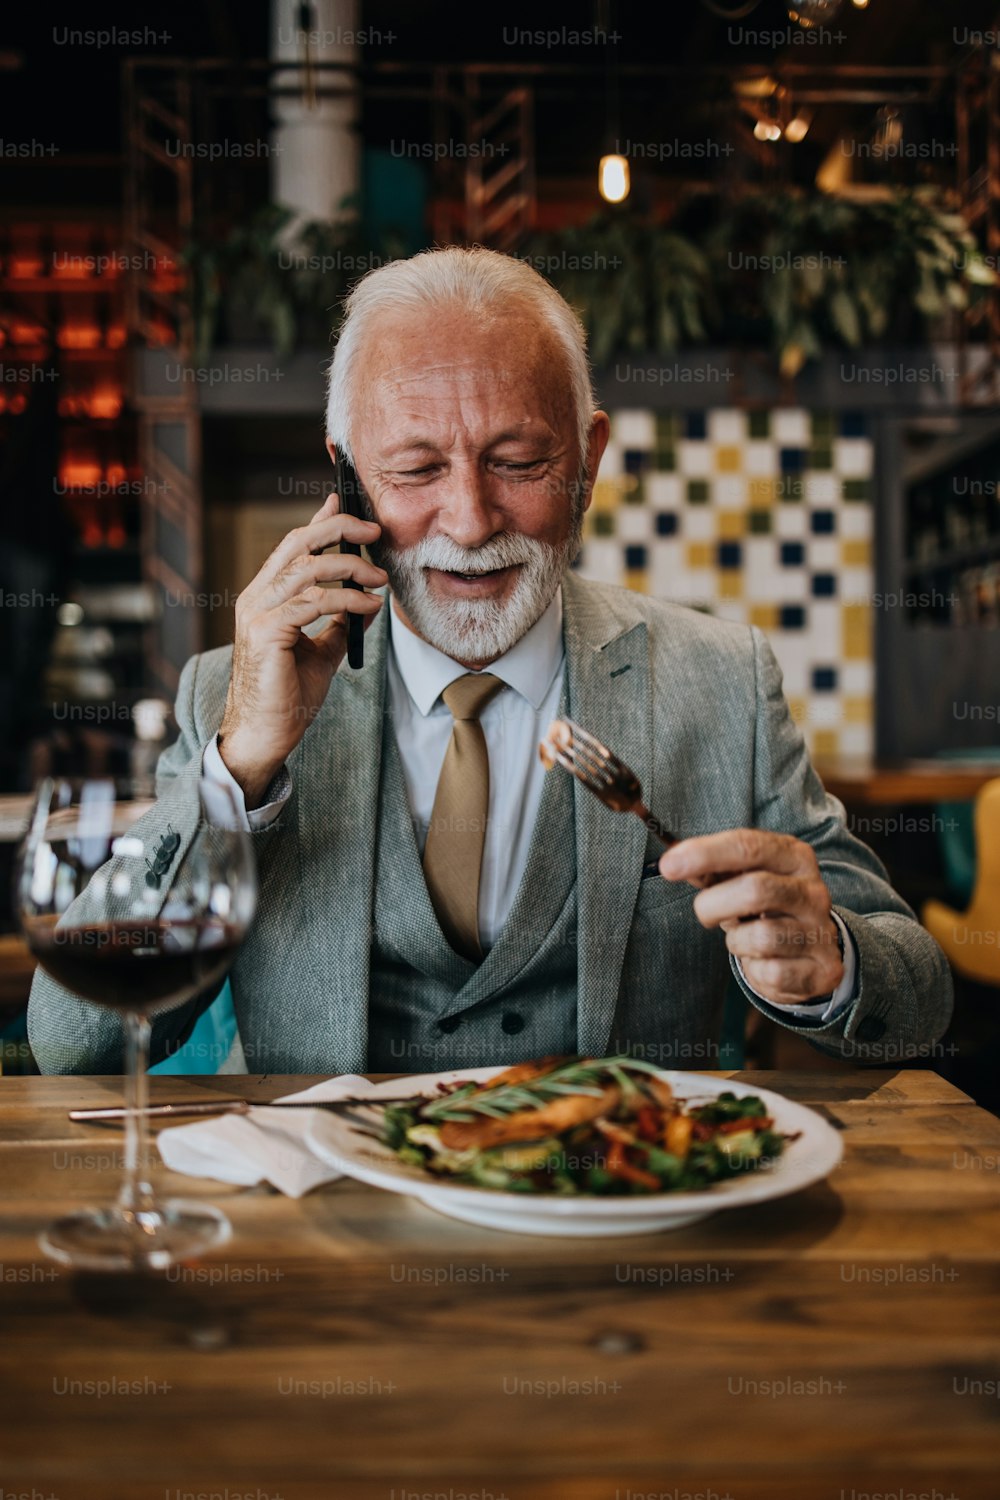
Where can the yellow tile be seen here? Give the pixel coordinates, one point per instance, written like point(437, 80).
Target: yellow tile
point(730, 583)
point(636, 579)
point(798, 709)
point(732, 524)
point(700, 554)
point(856, 553)
point(857, 710)
point(825, 742)
point(856, 632)
point(728, 460)
point(605, 495)
point(765, 616)
point(762, 492)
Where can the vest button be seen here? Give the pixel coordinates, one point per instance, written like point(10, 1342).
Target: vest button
point(449, 1024)
point(511, 1022)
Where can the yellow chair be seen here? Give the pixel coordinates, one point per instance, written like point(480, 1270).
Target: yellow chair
point(971, 939)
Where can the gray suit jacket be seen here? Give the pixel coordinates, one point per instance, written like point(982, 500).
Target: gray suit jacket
point(694, 705)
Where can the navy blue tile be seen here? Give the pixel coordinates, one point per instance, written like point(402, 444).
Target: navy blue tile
point(852, 424)
point(636, 460)
point(793, 554)
point(823, 522)
point(635, 557)
point(824, 585)
point(666, 523)
point(824, 679)
point(792, 617)
point(730, 554)
point(695, 424)
point(793, 460)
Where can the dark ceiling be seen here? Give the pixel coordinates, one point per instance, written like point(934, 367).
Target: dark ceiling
point(69, 95)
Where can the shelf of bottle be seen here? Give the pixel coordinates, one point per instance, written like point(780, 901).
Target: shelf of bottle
point(955, 557)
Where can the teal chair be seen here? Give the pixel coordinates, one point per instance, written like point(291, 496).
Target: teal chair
point(207, 1048)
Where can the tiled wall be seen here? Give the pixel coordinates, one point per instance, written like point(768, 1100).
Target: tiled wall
point(761, 517)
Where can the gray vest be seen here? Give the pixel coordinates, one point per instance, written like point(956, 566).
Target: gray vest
point(432, 1009)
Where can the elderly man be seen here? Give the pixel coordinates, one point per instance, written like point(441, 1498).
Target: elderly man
point(429, 896)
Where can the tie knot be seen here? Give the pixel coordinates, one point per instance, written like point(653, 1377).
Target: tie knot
point(467, 696)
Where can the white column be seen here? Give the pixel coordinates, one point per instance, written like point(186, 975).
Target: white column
point(317, 162)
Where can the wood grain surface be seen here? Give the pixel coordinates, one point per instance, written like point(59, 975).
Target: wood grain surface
point(842, 1343)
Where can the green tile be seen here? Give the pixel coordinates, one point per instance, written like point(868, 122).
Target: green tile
point(759, 424)
point(821, 458)
point(635, 494)
point(697, 491)
point(857, 489)
point(604, 523)
point(665, 460)
point(759, 522)
point(824, 426)
point(666, 429)
point(791, 487)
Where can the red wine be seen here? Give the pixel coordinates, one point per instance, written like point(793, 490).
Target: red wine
point(145, 966)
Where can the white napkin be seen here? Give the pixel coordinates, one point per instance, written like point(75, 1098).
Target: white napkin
point(267, 1145)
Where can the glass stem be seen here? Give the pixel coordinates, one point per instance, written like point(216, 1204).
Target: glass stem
point(136, 1196)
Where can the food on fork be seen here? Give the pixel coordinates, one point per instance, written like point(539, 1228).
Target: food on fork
point(558, 737)
point(580, 1126)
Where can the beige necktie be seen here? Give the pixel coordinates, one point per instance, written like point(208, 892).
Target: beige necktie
point(453, 853)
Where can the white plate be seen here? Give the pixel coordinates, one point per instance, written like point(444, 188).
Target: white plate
point(806, 1160)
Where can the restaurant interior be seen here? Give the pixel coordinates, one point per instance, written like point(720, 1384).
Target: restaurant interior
point(786, 259)
point(779, 221)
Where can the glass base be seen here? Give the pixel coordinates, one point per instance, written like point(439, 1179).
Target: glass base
point(108, 1239)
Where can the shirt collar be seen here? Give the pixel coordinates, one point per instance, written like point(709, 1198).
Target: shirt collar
point(528, 667)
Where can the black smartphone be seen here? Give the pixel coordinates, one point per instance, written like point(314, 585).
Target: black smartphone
point(349, 493)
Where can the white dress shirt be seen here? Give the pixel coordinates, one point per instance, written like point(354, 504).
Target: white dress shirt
point(513, 723)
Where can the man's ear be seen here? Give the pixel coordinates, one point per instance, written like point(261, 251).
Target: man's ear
point(331, 448)
point(600, 432)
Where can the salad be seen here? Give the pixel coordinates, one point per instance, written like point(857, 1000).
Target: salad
point(574, 1125)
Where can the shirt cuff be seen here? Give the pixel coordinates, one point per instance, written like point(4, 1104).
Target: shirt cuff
point(827, 1007)
point(215, 770)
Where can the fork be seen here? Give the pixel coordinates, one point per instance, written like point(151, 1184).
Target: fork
point(616, 784)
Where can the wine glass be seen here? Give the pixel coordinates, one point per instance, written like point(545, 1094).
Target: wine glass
point(138, 928)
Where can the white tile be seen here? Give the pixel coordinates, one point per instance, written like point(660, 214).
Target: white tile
point(822, 554)
point(761, 460)
point(732, 609)
point(790, 521)
point(856, 585)
point(694, 459)
point(694, 586)
point(855, 519)
point(602, 561)
point(634, 523)
point(791, 586)
point(698, 524)
point(791, 428)
point(822, 490)
point(729, 491)
point(663, 491)
point(824, 631)
point(794, 672)
point(612, 463)
point(666, 560)
point(857, 739)
point(852, 457)
point(727, 425)
point(634, 429)
point(825, 711)
point(858, 678)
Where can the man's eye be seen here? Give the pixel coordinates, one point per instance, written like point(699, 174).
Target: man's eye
point(507, 463)
point(412, 473)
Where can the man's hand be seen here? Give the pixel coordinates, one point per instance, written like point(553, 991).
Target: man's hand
point(769, 898)
point(280, 676)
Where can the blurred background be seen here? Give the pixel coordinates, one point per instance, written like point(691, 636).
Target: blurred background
point(781, 224)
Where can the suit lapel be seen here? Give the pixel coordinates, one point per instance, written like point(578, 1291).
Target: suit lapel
point(607, 664)
point(337, 765)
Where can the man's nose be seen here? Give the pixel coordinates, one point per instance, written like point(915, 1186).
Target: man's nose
point(469, 513)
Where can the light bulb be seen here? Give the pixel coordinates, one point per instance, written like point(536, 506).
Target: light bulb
point(796, 128)
point(613, 179)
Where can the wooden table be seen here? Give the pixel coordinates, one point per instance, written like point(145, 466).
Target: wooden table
point(356, 1344)
point(858, 781)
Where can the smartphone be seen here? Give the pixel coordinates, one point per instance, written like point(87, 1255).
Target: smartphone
point(349, 493)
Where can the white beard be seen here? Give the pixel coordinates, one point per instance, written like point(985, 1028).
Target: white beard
point(477, 630)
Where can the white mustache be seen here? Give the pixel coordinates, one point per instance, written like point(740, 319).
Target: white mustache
point(446, 556)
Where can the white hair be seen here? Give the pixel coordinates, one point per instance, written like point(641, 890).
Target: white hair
point(477, 281)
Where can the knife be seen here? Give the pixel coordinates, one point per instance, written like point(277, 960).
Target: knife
point(225, 1107)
